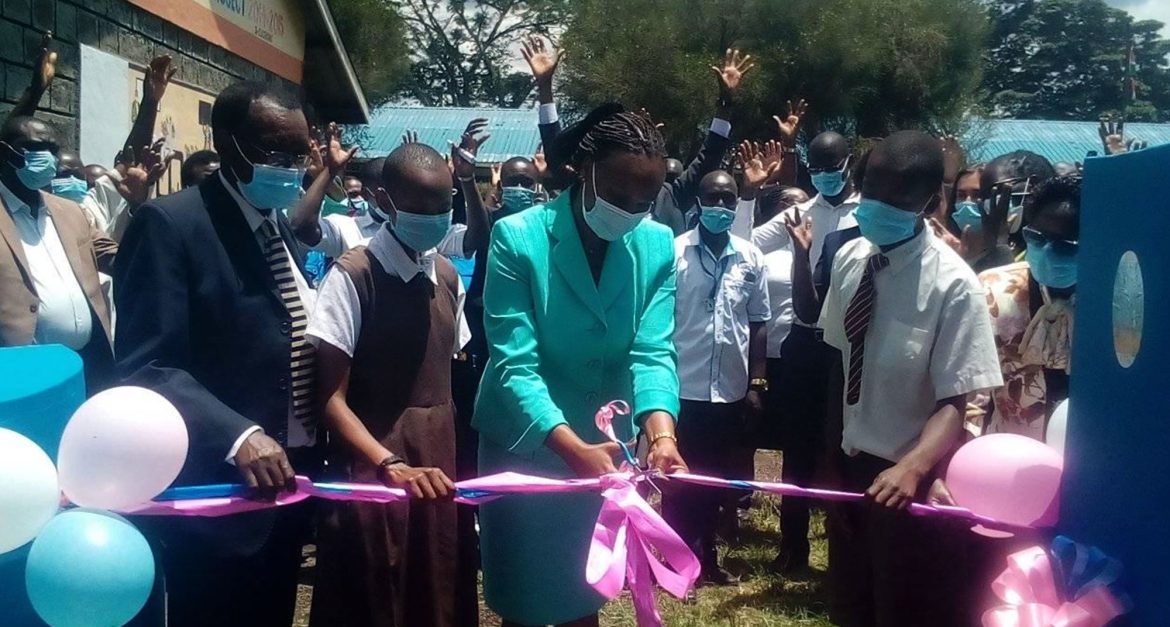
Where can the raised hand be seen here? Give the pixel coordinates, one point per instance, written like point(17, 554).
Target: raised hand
point(158, 76)
point(496, 178)
point(316, 159)
point(335, 155)
point(758, 163)
point(735, 67)
point(46, 64)
point(790, 124)
point(799, 230)
point(472, 138)
point(953, 157)
point(542, 56)
point(410, 137)
point(540, 163)
point(140, 170)
point(1112, 133)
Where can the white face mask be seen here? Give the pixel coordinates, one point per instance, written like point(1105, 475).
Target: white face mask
point(609, 221)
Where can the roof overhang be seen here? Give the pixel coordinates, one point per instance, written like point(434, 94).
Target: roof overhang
point(329, 79)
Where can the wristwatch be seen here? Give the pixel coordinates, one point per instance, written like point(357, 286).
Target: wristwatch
point(758, 385)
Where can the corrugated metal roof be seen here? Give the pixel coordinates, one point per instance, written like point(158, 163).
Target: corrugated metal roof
point(1055, 140)
point(513, 132)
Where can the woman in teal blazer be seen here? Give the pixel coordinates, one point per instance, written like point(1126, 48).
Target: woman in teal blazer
point(579, 311)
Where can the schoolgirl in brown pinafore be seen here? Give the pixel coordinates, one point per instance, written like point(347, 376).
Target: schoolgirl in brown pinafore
point(397, 565)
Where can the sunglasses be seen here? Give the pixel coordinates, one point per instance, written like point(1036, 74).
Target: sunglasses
point(1040, 240)
point(274, 158)
point(837, 168)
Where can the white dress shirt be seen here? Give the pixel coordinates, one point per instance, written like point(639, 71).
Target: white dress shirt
point(779, 263)
point(104, 206)
point(63, 313)
point(716, 300)
point(297, 436)
point(930, 338)
point(772, 235)
point(337, 321)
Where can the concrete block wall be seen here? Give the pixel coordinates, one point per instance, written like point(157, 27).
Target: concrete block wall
point(114, 26)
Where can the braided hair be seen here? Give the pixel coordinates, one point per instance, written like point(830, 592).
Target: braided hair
point(608, 129)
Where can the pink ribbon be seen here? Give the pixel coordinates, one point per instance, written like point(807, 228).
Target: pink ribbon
point(628, 539)
point(1028, 589)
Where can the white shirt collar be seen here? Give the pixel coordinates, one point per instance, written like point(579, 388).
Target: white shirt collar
point(389, 252)
point(251, 214)
point(14, 203)
point(848, 203)
point(735, 245)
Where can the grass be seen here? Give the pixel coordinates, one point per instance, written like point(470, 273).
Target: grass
point(760, 600)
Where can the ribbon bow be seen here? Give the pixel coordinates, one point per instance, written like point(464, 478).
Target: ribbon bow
point(627, 540)
point(1072, 587)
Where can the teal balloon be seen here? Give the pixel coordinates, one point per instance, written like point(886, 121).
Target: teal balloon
point(89, 568)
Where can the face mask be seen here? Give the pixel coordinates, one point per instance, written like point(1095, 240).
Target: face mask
point(716, 219)
point(40, 166)
point(272, 187)
point(69, 187)
point(609, 221)
point(517, 198)
point(420, 232)
point(1049, 267)
point(967, 214)
point(830, 184)
point(359, 206)
point(884, 224)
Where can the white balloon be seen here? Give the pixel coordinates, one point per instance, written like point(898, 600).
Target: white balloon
point(1058, 427)
point(29, 496)
point(121, 448)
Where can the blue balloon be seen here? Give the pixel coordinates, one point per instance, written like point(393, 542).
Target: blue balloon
point(89, 568)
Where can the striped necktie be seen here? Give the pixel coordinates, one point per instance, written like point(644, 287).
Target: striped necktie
point(301, 354)
point(857, 318)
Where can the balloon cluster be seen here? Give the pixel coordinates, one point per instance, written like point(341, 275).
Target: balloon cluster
point(87, 565)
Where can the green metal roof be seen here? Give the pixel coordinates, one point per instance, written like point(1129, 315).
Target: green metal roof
point(1054, 140)
point(513, 132)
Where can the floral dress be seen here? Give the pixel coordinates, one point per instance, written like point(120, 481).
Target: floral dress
point(1020, 405)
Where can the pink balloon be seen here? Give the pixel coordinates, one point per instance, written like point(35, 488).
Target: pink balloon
point(122, 447)
point(1009, 477)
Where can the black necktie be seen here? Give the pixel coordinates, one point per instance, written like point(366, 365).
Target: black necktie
point(857, 318)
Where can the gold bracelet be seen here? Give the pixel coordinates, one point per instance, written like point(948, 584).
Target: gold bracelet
point(663, 434)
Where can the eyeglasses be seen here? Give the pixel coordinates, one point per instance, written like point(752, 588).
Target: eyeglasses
point(1059, 246)
point(274, 158)
point(837, 168)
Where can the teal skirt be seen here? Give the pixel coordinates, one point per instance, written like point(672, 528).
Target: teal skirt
point(534, 547)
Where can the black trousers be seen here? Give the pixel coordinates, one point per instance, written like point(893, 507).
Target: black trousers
point(798, 402)
point(710, 439)
point(889, 568)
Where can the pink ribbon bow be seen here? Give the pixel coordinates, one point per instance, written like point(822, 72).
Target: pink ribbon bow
point(627, 535)
point(1028, 588)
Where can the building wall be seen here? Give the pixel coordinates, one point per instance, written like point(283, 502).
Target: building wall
point(114, 26)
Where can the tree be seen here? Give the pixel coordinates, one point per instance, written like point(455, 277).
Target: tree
point(375, 38)
point(1069, 60)
point(866, 67)
point(461, 53)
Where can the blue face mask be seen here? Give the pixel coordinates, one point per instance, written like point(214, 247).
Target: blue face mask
point(69, 187)
point(716, 219)
point(1050, 268)
point(418, 231)
point(884, 224)
point(360, 206)
point(609, 221)
point(830, 184)
point(272, 187)
point(516, 198)
point(967, 214)
point(40, 166)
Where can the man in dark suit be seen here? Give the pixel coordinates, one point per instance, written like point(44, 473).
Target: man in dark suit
point(49, 286)
point(679, 192)
point(212, 296)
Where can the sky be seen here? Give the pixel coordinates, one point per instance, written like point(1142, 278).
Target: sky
point(1147, 10)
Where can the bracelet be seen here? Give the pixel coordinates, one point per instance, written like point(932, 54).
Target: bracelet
point(390, 461)
point(760, 385)
point(663, 434)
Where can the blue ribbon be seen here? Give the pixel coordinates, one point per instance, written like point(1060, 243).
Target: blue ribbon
point(1080, 568)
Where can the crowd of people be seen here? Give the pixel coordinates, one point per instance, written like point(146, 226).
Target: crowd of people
point(390, 320)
